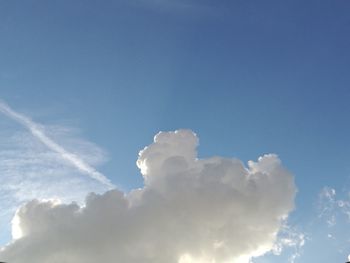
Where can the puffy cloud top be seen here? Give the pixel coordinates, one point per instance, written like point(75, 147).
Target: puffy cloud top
point(190, 210)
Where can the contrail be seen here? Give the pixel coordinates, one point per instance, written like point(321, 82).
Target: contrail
point(39, 133)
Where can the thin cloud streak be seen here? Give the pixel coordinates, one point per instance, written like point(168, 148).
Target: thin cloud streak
point(38, 133)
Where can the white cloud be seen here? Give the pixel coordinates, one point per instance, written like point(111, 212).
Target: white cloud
point(190, 210)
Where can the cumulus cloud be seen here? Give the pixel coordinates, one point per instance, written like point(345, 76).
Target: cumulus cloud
point(190, 210)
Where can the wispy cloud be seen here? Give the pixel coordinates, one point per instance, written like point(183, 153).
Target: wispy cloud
point(332, 206)
point(334, 213)
point(292, 239)
point(29, 169)
point(38, 132)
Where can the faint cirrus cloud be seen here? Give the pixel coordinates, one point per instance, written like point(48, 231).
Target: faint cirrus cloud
point(32, 169)
point(38, 131)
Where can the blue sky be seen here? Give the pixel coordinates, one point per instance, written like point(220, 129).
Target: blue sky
point(249, 77)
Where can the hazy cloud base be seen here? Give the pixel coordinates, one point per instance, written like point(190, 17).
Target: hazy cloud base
point(190, 210)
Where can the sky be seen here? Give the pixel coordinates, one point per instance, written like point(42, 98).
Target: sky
point(85, 85)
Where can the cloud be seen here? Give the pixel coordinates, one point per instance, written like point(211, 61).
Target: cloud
point(334, 217)
point(190, 210)
point(332, 206)
point(292, 239)
point(38, 132)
